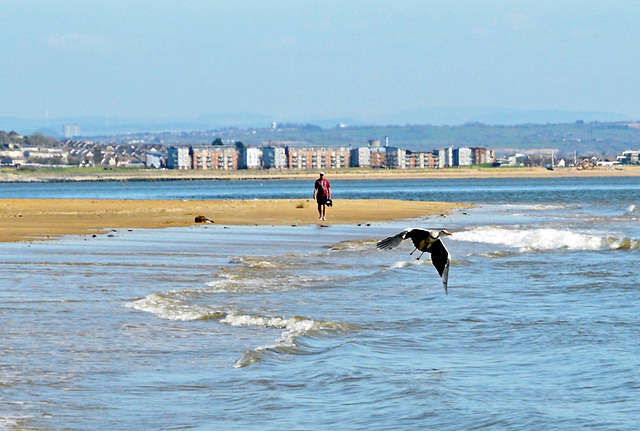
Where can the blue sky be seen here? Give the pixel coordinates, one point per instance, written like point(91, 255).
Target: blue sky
point(292, 59)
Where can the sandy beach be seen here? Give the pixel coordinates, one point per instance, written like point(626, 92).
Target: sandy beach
point(38, 219)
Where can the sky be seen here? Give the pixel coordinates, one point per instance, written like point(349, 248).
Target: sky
point(330, 58)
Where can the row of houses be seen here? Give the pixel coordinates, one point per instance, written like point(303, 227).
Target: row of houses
point(223, 157)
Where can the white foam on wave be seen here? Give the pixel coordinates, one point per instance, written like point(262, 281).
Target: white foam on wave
point(257, 263)
point(354, 245)
point(248, 283)
point(544, 239)
point(170, 308)
point(540, 207)
point(294, 327)
point(405, 263)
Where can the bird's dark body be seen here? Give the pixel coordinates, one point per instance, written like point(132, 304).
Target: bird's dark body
point(427, 241)
point(439, 255)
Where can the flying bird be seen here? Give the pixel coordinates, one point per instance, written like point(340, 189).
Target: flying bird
point(425, 241)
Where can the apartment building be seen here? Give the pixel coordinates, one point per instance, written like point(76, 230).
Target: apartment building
point(251, 158)
point(360, 157)
point(395, 157)
point(215, 157)
point(178, 158)
point(274, 157)
point(318, 158)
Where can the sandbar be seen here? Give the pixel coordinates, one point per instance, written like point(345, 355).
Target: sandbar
point(41, 219)
point(13, 175)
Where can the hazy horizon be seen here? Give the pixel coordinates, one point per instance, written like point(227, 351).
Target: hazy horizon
point(303, 61)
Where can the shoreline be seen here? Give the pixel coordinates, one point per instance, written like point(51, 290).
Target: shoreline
point(41, 219)
point(13, 175)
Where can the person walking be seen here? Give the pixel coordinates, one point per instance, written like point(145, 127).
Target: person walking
point(322, 194)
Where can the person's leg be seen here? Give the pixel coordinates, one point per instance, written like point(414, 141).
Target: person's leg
point(324, 212)
point(320, 212)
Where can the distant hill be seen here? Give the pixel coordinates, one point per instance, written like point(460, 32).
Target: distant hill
point(109, 125)
point(112, 125)
point(602, 139)
point(490, 116)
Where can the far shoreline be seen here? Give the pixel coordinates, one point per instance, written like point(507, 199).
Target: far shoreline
point(70, 175)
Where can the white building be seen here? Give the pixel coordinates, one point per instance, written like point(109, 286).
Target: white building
point(629, 157)
point(71, 130)
point(462, 156)
point(153, 159)
point(445, 157)
point(274, 157)
point(178, 158)
point(517, 159)
point(360, 157)
point(251, 158)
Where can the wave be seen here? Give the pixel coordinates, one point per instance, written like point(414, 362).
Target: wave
point(541, 207)
point(295, 327)
point(542, 239)
point(169, 306)
point(354, 245)
point(242, 283)
point(404, 264)
point(255, 263)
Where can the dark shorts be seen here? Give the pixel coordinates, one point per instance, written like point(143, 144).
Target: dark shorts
point(322, 200)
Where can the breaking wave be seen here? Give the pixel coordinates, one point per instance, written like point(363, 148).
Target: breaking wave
point(406, 263)
point(545, 239)
point(540, 207)
point(255, 263)
point(169, 306)
point(241, 282)
point(354, 245)
point(294, 327)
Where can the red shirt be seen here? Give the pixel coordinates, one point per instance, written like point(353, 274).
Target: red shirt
point(322, 186)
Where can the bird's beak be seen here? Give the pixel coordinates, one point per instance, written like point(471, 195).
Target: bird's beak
point(448, 233)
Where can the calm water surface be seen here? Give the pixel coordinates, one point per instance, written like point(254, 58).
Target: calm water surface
point(215, 327)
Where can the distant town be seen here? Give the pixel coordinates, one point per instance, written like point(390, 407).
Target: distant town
point(38, 151)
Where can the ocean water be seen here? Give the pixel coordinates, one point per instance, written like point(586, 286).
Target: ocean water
point(311, 328)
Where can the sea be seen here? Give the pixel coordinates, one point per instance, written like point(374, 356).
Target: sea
point(216, 327)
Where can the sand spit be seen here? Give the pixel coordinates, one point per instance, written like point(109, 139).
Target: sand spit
point(37, 219)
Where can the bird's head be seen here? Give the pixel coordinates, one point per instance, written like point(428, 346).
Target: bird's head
point(445, 232)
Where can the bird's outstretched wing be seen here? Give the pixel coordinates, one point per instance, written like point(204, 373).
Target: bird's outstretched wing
point(441, 259)
point(392, 241)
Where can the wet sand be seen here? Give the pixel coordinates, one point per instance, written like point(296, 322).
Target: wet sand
point(38, 219)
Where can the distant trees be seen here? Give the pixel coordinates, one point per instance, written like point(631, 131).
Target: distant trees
point(97, 155)
point(4, 138)
point(217, 141)
point(53, 160)
point(34, 140)
point(39, 140)
point(10, 138)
